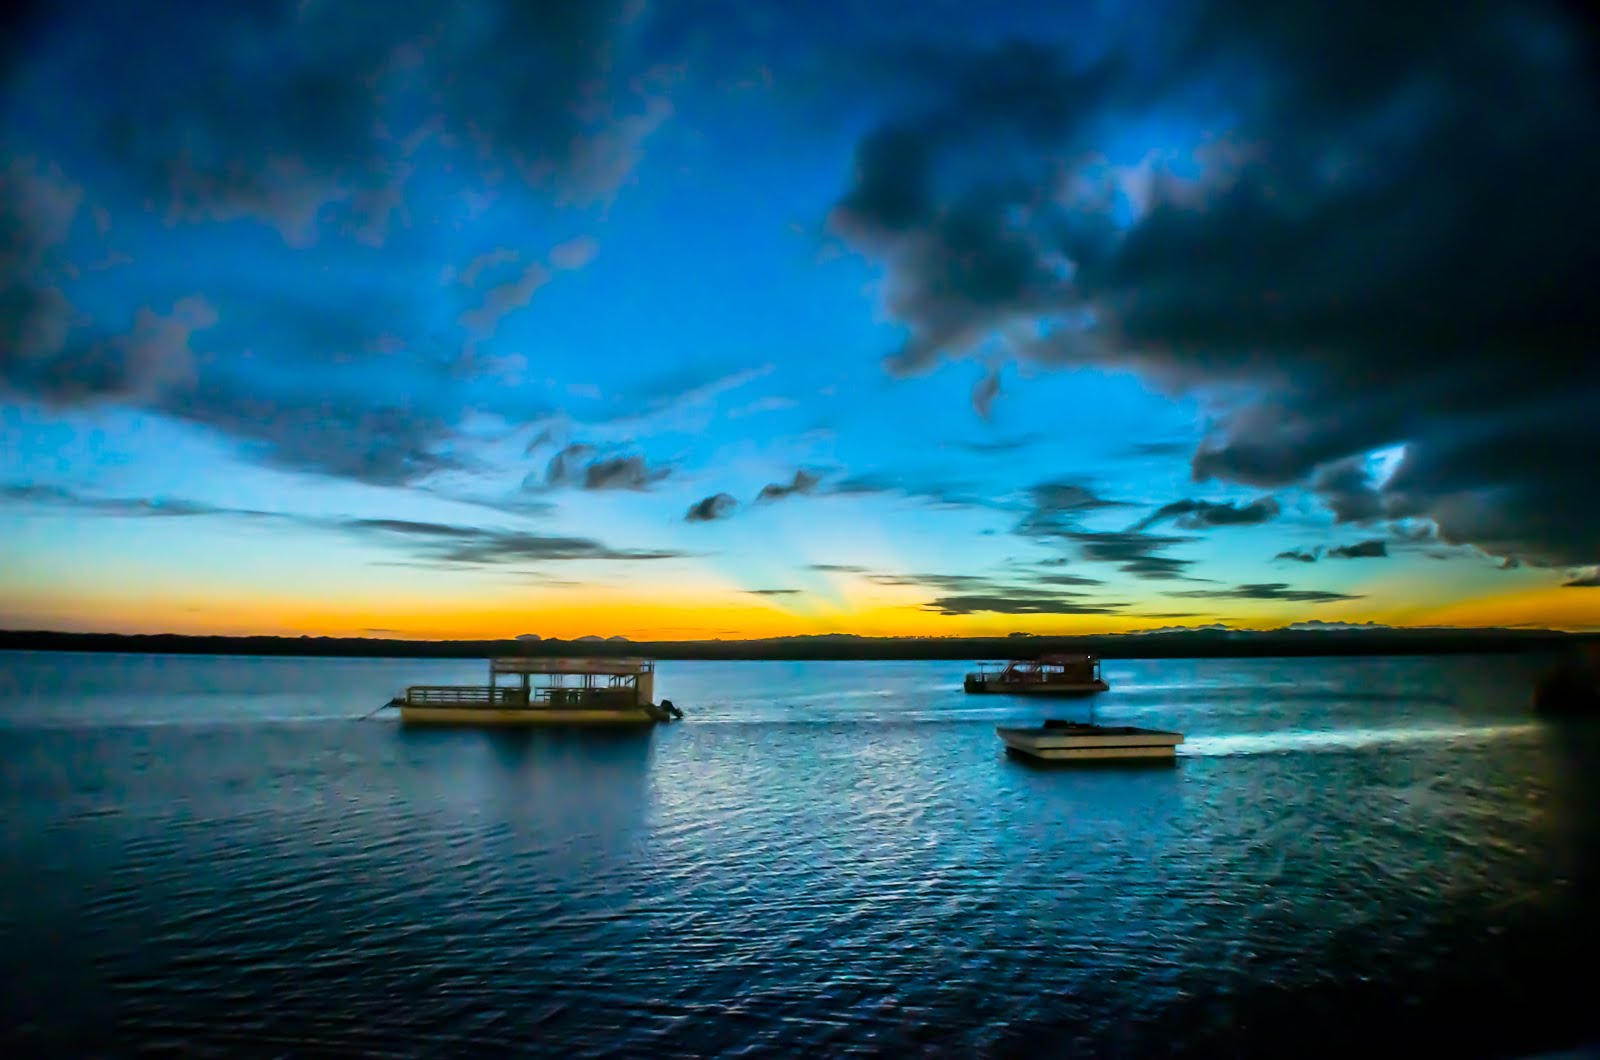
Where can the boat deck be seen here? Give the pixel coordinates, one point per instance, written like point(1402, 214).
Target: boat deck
point(1077, 740)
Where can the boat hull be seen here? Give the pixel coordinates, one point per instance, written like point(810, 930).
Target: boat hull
point(1029, 688)
point(437, 715)
point(1090, 742)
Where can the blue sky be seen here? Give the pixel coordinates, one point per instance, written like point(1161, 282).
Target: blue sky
point(451, 322)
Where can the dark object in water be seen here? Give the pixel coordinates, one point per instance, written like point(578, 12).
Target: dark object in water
point(1572, 689)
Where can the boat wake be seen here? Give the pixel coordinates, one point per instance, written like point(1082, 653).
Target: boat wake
point(1347, 739)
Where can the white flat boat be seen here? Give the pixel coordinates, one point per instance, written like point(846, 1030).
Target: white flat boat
point(1063, 740)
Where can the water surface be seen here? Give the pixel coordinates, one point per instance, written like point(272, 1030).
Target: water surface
point(214, 855)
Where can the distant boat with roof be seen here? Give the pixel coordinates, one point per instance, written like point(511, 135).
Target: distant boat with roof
point(1048, 675)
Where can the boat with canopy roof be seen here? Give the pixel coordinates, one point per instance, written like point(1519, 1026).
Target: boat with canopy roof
point(1049, 675)
point(529, 691)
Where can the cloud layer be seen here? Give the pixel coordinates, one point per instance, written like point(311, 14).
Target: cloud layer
point(1375, 250)
point(339, 129)
point(1195, 514)
point(430, 543)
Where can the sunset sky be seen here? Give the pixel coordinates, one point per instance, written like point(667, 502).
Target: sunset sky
point(746, 319)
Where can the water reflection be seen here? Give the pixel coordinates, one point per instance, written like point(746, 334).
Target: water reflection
point(1098, 765)
point(831, 874)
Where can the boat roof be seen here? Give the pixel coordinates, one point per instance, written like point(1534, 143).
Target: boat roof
point(519, 665)
point(1047, 660)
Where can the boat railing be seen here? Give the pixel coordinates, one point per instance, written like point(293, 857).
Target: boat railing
point(544, 696)
point(465, 696)
point(558, 696)
point(1035, 674)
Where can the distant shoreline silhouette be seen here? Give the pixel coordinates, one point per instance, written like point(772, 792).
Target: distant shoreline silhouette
point(838, 646)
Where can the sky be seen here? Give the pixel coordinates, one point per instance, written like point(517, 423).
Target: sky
point(714, 319)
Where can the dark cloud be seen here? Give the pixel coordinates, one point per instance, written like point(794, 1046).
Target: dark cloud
point(49, 347)
point(838, 568)
point(1066, 579)
point(327, 393)
point(1346, 487)
point(1134, 552)
point(1382, 246)
point(286, 112)
point(131, 507)
point(941, 582)
point(38, 208)
point(976, 603)
point(804, 482)
point(1584, 579)
point(1375, 548)
point(566, 466)
point(1196, 514)
point(1057, 508)
point(369, 441)
point(775, 592)
point(716, 506)
point(582, 466)
point(964, 261)
point(1372, 548)
point(1300, 555)
point(1267, 591)
point(164, 361)
point(966, 594)
point(430, 543)
point(446, 544)
point(1067, 496)
point(414, 528)
point(937, 494)
point(1055, 516)
point(621, 473)
point(313, 120)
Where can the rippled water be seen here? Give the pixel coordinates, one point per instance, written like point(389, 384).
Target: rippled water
point(212, 855)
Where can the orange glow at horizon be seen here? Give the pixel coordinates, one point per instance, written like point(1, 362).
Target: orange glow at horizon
point(1550, 607)
point(721, 613)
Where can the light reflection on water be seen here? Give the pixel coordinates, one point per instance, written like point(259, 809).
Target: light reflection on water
point(824, 858)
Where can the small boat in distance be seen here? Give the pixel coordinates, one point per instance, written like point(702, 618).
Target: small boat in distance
point(1049, 675)
point(547, 692)
point(1065, 740)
